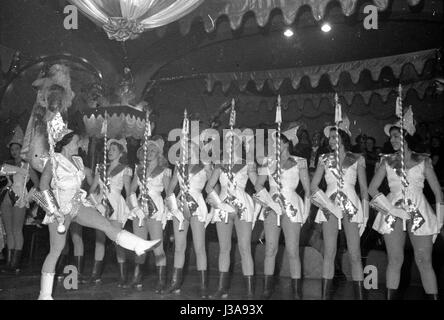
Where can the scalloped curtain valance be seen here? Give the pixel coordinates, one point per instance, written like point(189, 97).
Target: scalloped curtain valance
point(211, 10)
point(314, 73)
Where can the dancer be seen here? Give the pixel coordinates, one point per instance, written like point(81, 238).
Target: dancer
point(405, 209)
point(192, 210)
point(15, 199)
point(64, 201)
point(284, 204)
point(341, 168)
point(233, 206)
point(150, 218)
point(119, 176)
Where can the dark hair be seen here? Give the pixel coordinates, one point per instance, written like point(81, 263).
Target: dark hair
point(285, 140)
point(124, 156)
point(373, 139)
point(11, 144)
point(411, 141)
point(345, 138)
point(65, 140)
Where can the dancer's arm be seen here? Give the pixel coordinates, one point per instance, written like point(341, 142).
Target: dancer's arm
point(377, 180)
point(89, 176)
point(213, 180)
point(94, 184)
point(305, 178)
point(33, 176)
point(45, 179)
point(252, 173)
point(314, 186)
point(433, 180)
point(173, 183)
point(166, 178)
point(362, 178)
point(127, 182)
point(135, 182)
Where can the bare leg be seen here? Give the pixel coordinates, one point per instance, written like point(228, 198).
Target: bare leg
point(120, 252)
point(141, 232)
point(180, 242)
point(76, 231)
point(272, 232)
point(243, 231)
point(18, 219)
point(57, 243)
point(422, 246)
point(7, 221)
point(90, 218)
point(224, 232)
point(291, 232)
point(330, 233)
point(198, 229)
point(354, 248)
point(156, 232)
point(394, 243)
point(99, 252)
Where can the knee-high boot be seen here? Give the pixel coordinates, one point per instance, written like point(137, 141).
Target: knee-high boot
point(358, 290)
point(392, 294)
point(61, 262)
point(161, 279)
point(222, 290)
point(132, 242)
point(296, 289)
point(46, 283)
point(268, 287)
point(327, 289)
point(249, 287)
point(176, 281)
point(96, 274)
point(122, 275)
point(136, 282)
point(78, 260)
point(203, 284)
point(15, 261)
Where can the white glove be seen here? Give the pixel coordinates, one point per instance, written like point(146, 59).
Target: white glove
point(264, 198)
point(440, 214)
point(171, 203)
point(307, 206)
point(382, 204)
point(95, 200)
point(135, 211)
point(320, 199)
point(214, 201)
point(365, 210)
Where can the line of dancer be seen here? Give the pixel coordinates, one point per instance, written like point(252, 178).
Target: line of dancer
point(197, 193)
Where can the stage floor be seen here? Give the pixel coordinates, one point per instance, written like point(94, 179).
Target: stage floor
point(26, 287)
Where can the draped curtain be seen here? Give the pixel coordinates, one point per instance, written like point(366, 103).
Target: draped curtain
point(126, 19)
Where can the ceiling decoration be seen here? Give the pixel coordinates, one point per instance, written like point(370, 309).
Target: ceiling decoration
point(212, 10)
point(126, 19)
point(276, 77)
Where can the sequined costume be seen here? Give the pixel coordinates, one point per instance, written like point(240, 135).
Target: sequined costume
point(428, 224)
point(121, 210)
point(239, 193)
point(354, 211)
point(289, 180)
point(17, 186)
point(197, 183)
point(155, 187)
point(66, 185)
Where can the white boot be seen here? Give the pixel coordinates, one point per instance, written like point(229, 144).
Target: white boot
point(132, 242)
point(46, 282)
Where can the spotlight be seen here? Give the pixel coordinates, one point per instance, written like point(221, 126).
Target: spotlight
point(288, 33)
point(326, 27)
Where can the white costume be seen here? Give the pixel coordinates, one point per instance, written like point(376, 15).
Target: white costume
point(155, 187)
point(66, 184)
point(238, 191)
point(354, 209)
point(289, 180)
point(424, 220)
point(121, 210)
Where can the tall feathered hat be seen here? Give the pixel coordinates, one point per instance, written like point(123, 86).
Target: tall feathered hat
point(17, 137)
point(57, 128)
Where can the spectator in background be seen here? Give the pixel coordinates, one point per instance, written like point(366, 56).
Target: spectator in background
point(303, 148)
point(436, 153)
point(422, 138)
point(359, 147)
point(371, 157)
